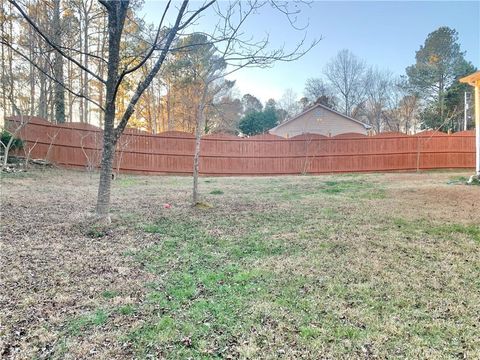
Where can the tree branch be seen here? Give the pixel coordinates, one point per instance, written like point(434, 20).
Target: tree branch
point(148, 79)
point(195, 14)
point(84, 53)
point(53, 45)
point(152, 48)
point(147, 56)
point(16, 51)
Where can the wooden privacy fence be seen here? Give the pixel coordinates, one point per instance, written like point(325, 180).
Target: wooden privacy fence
point(79, 145)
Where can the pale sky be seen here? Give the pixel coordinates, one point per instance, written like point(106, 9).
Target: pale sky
point(385, 34)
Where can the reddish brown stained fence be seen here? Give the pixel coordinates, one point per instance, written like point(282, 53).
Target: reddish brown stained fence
point(79, 145)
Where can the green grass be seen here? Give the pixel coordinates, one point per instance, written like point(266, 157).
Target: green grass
point(126, 310)
point(96, 231)
point(110, 294)
point(216, 192)
point(302, 267)
point(126, 181)
point(212, 294)
point(85, 322)
point(462, 180)
point(458, 180)
point(207, 293)
point(342, 187)
point(354, 188)
point(472, 231)
point(442, 230)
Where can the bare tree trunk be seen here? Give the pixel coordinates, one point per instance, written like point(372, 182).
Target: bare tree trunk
point(81, 77)
point(4, 67)
point(31, 76)
point(100, 101)
point(10, 67)
point(441, 97)
point(42, 100)
point(58, 66)
point(101, 66)
point(170, 122)
point(150, 103)
point(162, 110)
point(51, 101)
point(153, 106)
point(103, 199)
point(198, 138)
point(70, 95)
point(85, 80)
point(116, 19)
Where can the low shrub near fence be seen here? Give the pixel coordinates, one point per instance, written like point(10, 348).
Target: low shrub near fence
point(79, 145)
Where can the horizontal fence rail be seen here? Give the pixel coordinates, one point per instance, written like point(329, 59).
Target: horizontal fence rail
point(79, 145)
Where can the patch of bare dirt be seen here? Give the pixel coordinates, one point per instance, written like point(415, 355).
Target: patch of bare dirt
point(432, 196)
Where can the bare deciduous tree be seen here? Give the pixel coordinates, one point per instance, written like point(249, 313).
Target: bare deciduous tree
point(403, 111)
point(318, 92)
point(236, 52)
point(289, 102)
point(378, 90)
point(243, 51)
point(346, 75)
point(116, 14)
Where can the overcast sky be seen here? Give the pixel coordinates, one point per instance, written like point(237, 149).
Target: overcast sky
point(385, 34)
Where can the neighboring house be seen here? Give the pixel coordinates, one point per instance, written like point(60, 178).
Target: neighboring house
point(322, 120)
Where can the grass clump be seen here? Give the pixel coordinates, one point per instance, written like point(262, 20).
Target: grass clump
point(203, 205)
point(357, 189)
point(463, 180)
point(473, 231)
point(442, 230)
point(216, 192)
point(110, 294)
point(127, 310)
point(84, 322)
point(457, 180)
point(96, 231)
point(474, 181)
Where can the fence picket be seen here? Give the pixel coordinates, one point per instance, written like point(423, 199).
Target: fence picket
point(172, 152)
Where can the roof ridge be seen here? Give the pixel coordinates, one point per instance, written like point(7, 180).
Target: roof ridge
point(324, 107)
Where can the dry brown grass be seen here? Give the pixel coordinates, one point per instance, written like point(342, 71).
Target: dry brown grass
point(344, 266)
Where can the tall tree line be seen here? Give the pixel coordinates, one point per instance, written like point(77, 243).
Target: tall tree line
point(60, 91)
point(78, 28)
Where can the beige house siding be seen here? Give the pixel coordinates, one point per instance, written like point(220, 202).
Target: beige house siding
point(319, 120)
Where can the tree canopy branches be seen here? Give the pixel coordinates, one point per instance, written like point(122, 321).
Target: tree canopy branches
point(123, 69)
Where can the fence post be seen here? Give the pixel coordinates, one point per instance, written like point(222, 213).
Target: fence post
point(418, 153)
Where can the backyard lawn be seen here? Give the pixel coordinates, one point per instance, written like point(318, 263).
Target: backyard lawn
point(300, 267)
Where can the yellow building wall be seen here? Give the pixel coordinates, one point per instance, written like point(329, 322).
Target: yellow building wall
point(319, 121)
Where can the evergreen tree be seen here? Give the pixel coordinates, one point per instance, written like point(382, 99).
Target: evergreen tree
point(258, 122)
point(439, 62)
